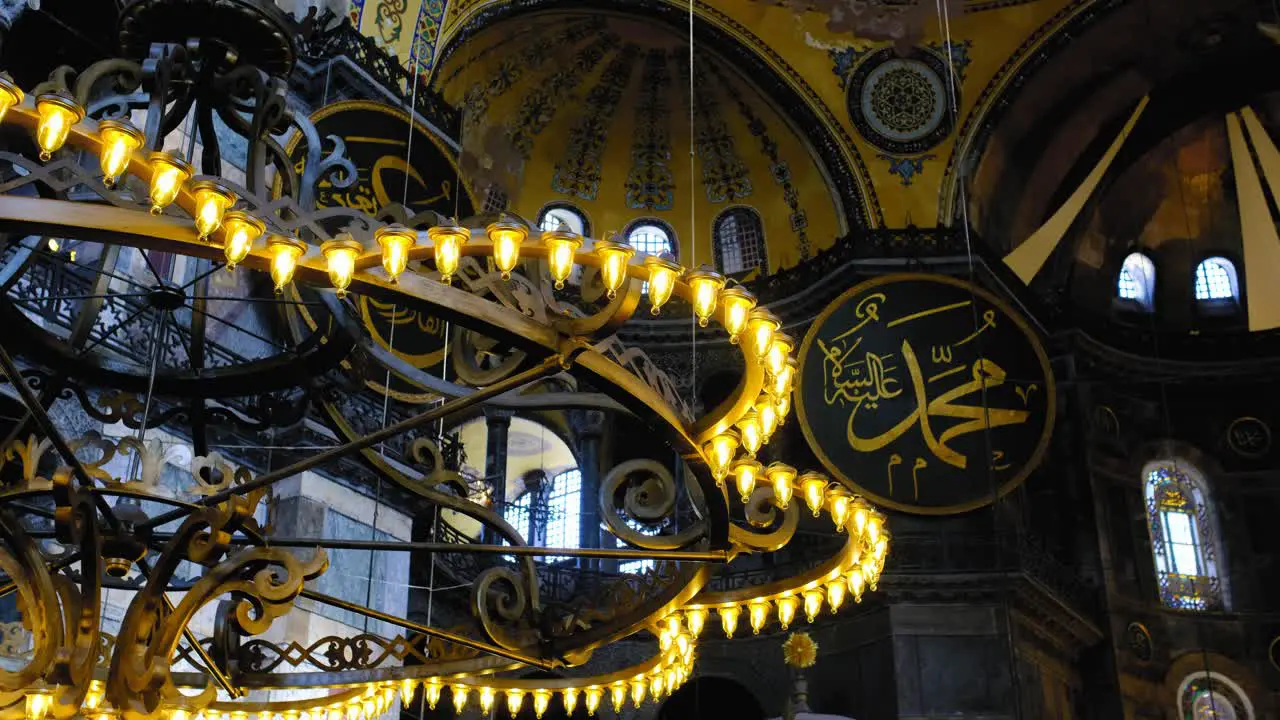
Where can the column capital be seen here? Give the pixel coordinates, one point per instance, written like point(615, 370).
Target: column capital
point(498, 416)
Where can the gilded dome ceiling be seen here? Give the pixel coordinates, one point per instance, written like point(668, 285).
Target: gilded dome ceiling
point(593, 109)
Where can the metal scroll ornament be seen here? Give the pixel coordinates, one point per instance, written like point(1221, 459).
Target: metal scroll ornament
point(929, 394)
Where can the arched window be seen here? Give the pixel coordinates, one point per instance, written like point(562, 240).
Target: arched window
point(549, 516)
point(1208, 695)
point(554, 214)
point(739, 241)
point(652, 237)
point(1216, 280)
point(1137, 281)
point(1183, 536)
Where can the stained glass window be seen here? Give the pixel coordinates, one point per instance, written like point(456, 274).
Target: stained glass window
point(1137, 280)
point(1208, 695)
point(1216, 279)
point(1183, 538)
point(739, 241)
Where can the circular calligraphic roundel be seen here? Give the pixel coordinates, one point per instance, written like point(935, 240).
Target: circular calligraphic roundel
point(377, 141)
point(925, 393)
point(901, 104)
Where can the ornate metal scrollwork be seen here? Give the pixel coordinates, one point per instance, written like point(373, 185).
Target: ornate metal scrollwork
point(76, 524)
point(649, 494)
point(263, 581)
point(358, 652)
point(504, 608)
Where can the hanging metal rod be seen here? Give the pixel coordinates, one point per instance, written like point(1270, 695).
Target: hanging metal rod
point(547, 367)
point(428, 630)
point(481, 549)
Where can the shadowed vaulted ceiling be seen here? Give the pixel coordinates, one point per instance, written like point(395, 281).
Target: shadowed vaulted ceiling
point(593, 109)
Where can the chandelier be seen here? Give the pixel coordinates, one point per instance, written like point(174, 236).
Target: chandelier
point(101, 177)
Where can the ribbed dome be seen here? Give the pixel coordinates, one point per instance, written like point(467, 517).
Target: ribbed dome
point(593, 109)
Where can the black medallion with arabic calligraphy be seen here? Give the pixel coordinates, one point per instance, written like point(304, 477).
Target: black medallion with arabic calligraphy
point(926, 393)
point(377, 140)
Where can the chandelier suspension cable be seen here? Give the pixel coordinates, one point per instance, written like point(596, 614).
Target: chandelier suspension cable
point(953, 79)
point(693, 214)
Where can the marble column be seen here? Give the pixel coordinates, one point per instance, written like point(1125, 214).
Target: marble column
point(498, 422)
point(589, 425)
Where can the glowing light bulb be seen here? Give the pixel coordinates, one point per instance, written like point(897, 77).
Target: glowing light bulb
point(241, 232)
point(761, 326)
point(720, 450)
point(119, 141)
point(881, 548)
point(285, 252)
point(570, 696)
point(696, 619)
point(835, 595)
point(783, 405)
point(340, 258)
point(857, 583)
point(93, 698)
point(656, 685)
point(672, 623)
point(729, 619)
point(861, 514)
point(486, 699)
point(684, 645)
point(58, 112)
point(561, 245)
point(407, 687)
point(662, 281)
point(779, 350)
point(431, 692)
point(396, 241)
point(10, 94)
point(541, 700)
point(782, 382)
point(168, 174)
point(787, 605)
point(875, 524)
point(213, 199)
point(593, 696)
point(704, 285)
point(182, 714)
point(37, 705)
point(614, 258)
point(506, 236)
point(745, 474)
point(665, 639)
point(459, 696)
point(781, 476)
point(737, 304)
point(638, 687)
point(617, 695)
point(813, 486)
point(750, 433)
point(515, 700)
point(812, 604)
point(673, 678)
point(841, 504)
point(768, 414)
point(758, 614)
point(447, 242)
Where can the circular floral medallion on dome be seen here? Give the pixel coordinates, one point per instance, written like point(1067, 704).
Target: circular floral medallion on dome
point(901, 104)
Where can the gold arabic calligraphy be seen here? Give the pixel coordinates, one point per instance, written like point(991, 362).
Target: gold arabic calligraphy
point(863, 381)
